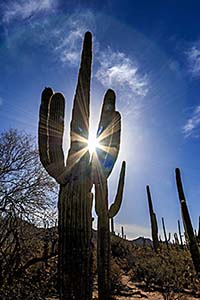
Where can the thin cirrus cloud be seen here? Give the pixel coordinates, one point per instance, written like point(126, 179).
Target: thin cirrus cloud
point(193, 57)
point(25, 8)
point(117, 70)
point(69, 36)
point(192, 126)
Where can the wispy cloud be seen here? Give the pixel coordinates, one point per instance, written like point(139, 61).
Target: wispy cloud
point(23, 9)
point(193, 56)
point(69, 36)
point(1, 101)
point(192, 126)
point(119, 71)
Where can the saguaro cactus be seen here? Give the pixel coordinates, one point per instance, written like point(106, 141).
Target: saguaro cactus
point(180, 235)
point(108, 134)
point(154, 225)
point(74, 177)
point(193, 246)
point(165, 233)
point(103, 241)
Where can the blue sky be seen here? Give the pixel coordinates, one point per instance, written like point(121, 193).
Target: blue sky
point(149, 53)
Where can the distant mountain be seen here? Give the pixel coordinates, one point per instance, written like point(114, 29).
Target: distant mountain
point(142, 241)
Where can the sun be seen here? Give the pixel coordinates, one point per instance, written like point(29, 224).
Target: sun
point(92, 142)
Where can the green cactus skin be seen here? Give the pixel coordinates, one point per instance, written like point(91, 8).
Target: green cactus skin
point(154, 225)
point(75, 179)
point(193, 246)
point(103, 240)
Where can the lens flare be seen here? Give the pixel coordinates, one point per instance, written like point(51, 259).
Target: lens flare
point(93, 143)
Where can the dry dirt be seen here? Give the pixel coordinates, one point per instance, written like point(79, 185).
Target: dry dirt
point(132, 292)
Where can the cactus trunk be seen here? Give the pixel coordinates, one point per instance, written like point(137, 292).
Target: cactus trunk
point(193, 246)
point(154, 226)
point(103, 241)
point(75, 258)
point(165, 234)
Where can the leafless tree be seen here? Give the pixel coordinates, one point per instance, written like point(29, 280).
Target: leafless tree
point(27, 200)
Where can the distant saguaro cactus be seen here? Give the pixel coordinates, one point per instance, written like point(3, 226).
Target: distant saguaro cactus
point(165, 233)
point(154, 225)
point(75, 179)
point(180, 235)
point(193, 246)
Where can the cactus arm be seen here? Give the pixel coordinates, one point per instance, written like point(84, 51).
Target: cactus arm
point(79, 127)
point(115, 207)
point(194, 250)
point(42, 129)
point(55, 131)
point(108, 134)
point(49, 126)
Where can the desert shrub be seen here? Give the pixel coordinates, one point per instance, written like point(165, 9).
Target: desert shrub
point(166, 270)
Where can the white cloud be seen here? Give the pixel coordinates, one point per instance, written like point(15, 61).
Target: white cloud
point(193, 56)
point(69, 37)
point(192, 126)
point(119, 71)
point(25, 8)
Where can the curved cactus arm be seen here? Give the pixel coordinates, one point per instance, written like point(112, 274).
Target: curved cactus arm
point(55, 132)
point(79, 128)
point(115, 207)
point(51, 124)
point(43, 140)
point(108, 134)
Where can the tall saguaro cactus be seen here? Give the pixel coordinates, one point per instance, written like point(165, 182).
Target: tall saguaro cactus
point(74, 177)
point(154, 225)
point(193, 246)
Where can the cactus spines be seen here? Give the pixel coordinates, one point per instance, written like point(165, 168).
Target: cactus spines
point(75, 179)
point(103, 241)
point(193, 246)
point(154, 225)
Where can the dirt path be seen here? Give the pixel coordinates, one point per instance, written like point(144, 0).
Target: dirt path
point(132, 292)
